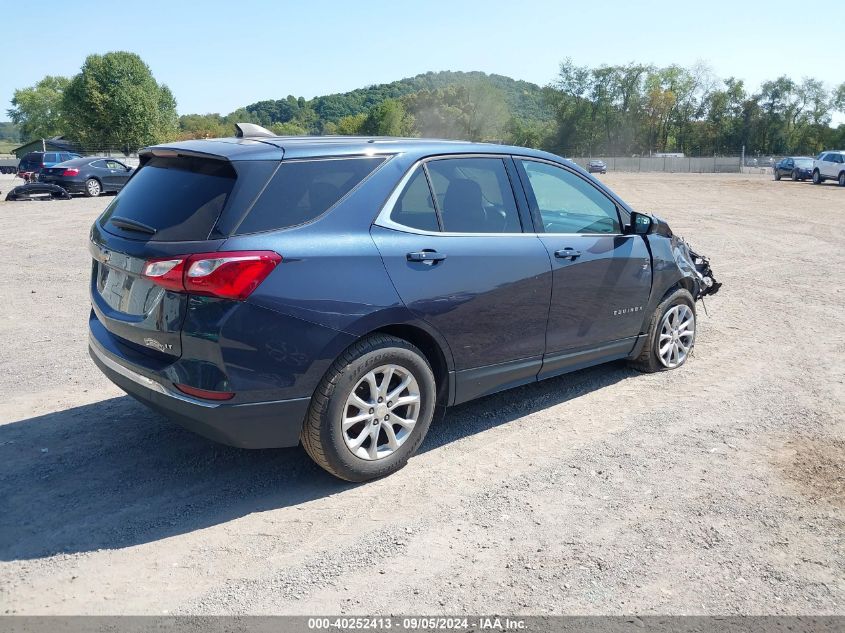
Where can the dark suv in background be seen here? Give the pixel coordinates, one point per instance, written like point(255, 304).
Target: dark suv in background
point(35, 162)
point(264, 291)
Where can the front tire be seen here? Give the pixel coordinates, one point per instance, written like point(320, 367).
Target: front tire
point(671, 334)
point(372, 409)
point(842, 179)
point(794, 176)
point(817, 177)
point(93, 188)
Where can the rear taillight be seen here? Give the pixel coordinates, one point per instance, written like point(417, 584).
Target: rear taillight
point(226, 274)
point(70, 172)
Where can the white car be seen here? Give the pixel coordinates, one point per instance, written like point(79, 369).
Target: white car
point(829, 166)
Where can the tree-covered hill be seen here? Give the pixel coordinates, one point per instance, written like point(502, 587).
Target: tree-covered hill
point(618, 110)
point(524, 100)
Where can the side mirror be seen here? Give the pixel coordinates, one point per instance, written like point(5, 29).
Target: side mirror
point(641, 224)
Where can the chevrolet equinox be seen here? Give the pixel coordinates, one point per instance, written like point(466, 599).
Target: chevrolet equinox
point(265, 291)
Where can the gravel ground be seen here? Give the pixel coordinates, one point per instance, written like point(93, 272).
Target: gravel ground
point(715, 489)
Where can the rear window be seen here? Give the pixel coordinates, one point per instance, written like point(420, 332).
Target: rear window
point(181, 198)
point(302, 190)
point(30, 161)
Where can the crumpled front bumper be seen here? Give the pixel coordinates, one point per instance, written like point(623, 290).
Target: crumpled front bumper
point(707, 284)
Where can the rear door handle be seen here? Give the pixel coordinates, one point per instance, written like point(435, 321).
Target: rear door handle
point(568, 253)
point(426, 256)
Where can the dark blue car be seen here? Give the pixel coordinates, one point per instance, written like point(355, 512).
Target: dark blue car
point(795, 167)
point(264, 291)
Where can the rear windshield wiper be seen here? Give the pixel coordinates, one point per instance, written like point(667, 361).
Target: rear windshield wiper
point(132, 225)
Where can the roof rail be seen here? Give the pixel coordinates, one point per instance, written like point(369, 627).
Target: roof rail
point(251, 130)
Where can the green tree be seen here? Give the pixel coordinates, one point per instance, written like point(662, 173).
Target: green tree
point(288, 128)
point(116, 102)
point(38, 109)
point(389, 118)
point(351, 125)
point(527, 133)
point(10, 132)
point(437, 113)
point(203, 126)
point(838, 98)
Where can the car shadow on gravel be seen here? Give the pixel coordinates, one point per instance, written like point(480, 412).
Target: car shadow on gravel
point(112, 474)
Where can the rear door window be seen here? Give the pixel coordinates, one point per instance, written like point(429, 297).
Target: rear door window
point(302, 190)
point(177, 198)
point(474, 195)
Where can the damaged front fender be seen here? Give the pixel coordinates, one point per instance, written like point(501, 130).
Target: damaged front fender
point(708, 282)
point(683, 263)
point(705, 282)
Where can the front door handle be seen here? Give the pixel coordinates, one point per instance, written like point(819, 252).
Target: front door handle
point(426, 256)
point(568, 253)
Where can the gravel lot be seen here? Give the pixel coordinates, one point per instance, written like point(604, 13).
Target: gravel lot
point(715, 489)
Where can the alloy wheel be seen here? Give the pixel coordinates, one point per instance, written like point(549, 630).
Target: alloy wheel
point(381, 412)
point(93, 188)
point(677, 334)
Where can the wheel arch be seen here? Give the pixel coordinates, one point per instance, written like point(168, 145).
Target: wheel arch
point(433, 350)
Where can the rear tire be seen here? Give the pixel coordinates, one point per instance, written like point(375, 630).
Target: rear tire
point(335, 424)
point(93, 188)
point(777, 175)
point(817, 177)
point(649, 360)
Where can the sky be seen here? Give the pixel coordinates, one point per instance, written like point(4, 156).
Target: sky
point(218, 56)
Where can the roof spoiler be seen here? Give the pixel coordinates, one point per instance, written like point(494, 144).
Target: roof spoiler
point(251, 130)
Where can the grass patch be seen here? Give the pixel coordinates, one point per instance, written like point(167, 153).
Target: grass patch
point(6, 147)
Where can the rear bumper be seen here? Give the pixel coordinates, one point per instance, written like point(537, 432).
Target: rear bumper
point(251, 425)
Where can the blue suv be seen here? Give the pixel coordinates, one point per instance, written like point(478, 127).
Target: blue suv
point(338, 292)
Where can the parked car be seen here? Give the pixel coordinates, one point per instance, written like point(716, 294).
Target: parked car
point(34, 162)
point(91, 175)
point(340, 291)
point(597, 167)
point(829, 166)
point(795, 167)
